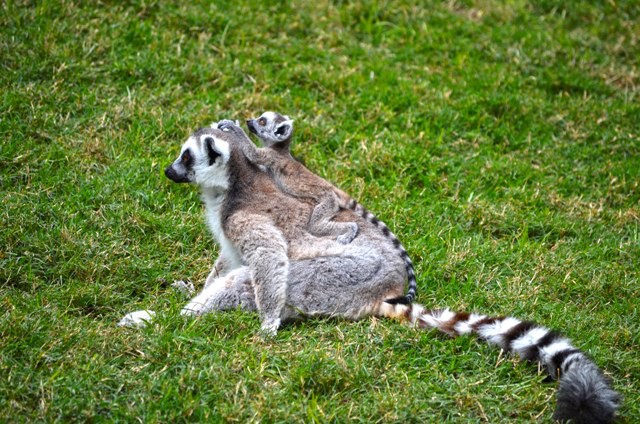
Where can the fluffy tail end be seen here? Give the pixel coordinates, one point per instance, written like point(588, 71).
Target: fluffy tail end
point(585, 394)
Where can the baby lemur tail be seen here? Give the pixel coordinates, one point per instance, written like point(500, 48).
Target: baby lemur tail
point(584, 395)
point(412, 287)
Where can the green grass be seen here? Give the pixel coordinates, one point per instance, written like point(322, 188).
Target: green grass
point(499, 140)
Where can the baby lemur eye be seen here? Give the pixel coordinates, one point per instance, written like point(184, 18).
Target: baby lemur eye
point(262, 122)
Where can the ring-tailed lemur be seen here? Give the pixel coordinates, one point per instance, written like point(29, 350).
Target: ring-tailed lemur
point(275, 132)
point(344, 280)
point(258, 225)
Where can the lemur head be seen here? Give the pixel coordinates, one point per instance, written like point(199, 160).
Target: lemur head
point(203, 160)
point(272, 128)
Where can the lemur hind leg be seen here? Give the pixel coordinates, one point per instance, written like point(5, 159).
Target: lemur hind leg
point(235, 290)
point(321, 224)
point(351, 285)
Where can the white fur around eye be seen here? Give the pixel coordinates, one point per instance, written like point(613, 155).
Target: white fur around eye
point(189, 144)
point(270, 116)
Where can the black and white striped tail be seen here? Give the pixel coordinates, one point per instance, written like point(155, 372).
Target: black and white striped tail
point(412, 287)
point(585, 394)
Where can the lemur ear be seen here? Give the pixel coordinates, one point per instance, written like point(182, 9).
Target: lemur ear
point(284, 129)
point(211, 152)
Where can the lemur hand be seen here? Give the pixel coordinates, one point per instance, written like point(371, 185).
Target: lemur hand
point(226, 125)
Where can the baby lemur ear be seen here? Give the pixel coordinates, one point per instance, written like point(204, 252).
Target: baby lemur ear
point(211, 152)
point(284, 129)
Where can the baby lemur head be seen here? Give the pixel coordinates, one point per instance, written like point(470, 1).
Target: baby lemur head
point(203, 159)
point(273, 129)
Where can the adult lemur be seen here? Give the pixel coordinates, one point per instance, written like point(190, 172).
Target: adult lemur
point(289, 273)
point(258, 225)
point(275, 132)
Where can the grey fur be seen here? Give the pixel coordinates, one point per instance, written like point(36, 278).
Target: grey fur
point(275, 131)
point(585, 395)
point(233, 290)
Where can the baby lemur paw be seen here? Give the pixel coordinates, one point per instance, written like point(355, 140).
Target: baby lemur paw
point(227, 125)
point(348, 236)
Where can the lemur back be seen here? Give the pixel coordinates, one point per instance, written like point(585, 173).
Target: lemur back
point(275, 131)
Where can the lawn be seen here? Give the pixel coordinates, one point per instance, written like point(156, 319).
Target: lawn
point(499, 140)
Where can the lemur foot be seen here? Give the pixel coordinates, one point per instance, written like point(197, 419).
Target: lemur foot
point(194, 309)
point(184, 287)
point(248, 301)
point(349, 235)
point(137, 319)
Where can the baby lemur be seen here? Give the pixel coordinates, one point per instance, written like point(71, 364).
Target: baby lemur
point(275, 132)
point(294, 179)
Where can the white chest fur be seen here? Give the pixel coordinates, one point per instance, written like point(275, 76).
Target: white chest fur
point(213, 212)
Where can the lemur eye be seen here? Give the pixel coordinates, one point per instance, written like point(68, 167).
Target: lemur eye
point(262, 122)
point(186, 157)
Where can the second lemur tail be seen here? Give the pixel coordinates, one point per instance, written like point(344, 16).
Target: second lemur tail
point(412, 288)
point(584, 395)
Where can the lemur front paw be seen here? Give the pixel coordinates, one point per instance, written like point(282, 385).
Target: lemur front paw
point(194, 309)
point(269, 327)
point(348, 236)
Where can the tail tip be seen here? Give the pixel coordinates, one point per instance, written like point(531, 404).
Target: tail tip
point(586, 397)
